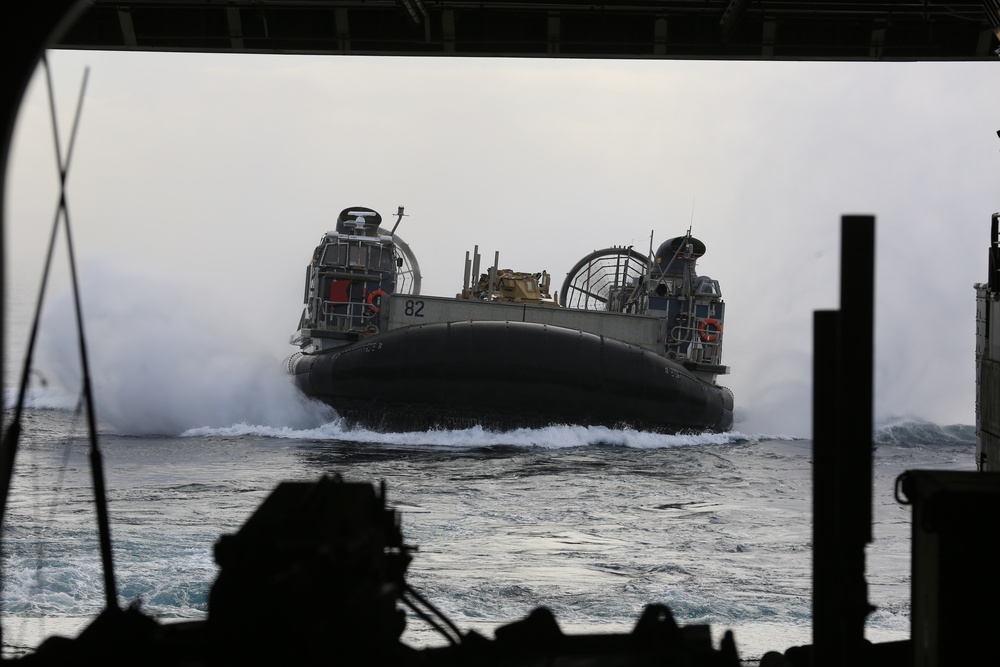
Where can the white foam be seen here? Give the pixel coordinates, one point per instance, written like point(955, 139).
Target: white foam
point(549, 437)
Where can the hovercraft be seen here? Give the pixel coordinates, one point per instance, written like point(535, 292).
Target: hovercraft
point(632, 341)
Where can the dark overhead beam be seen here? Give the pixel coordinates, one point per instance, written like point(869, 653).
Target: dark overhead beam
point(689, 29)
point(555, 27)
point(768, 30)
point(660, 36)
point(731, 17)
point(986, 37)
point(448, 29)
point(878, 41)
point(343, 30)
point(128, 30)
point(235, 28)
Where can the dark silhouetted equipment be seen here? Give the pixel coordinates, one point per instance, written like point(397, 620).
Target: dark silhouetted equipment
point(315, 575)
point(955, 592)
point(315, 572)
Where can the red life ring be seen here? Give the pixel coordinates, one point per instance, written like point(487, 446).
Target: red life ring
point(374, 294)
point(709, 337)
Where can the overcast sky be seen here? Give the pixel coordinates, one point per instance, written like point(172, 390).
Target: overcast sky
point(200, 185)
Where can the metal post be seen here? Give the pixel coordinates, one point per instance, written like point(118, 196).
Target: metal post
point(475, 265)
point(493, 273)
point(842, 452)
point(826, 486)
point(468, 269)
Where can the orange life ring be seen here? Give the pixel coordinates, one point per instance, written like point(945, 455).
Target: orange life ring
point(703, 331)
point(374, 294)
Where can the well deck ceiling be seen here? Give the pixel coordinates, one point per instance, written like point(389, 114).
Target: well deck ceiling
point(696, 29)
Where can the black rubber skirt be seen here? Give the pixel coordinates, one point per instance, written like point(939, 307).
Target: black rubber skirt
point(503, 375)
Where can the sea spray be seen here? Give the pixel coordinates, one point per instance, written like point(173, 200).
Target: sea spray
point(168, 355)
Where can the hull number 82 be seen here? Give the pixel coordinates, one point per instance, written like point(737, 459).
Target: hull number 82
point(413, 308)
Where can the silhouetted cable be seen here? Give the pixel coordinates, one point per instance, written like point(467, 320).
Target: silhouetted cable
point(437, 612)
point(13, 432)
point(430, 621)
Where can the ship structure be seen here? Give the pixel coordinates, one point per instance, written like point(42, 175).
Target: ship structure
point(632, 340)
point(988, 359)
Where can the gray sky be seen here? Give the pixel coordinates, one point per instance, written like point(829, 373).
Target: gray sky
point(200, 185)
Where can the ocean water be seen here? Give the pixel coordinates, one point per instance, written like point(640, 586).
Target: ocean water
point(592, 523)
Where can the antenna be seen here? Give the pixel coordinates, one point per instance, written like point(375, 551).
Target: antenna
point(652, 256)
point(691, 224)
point(399, 214)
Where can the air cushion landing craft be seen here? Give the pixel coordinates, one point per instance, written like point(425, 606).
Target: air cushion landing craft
point(636, 341)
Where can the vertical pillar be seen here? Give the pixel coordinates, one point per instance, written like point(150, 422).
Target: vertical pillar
point(842, 452)
point(826, 487)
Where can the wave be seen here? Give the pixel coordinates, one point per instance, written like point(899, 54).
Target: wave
point(898, 433)
point(916, 432)
point(549, 437)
